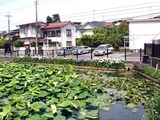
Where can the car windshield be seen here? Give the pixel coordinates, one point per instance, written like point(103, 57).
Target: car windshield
point(100, 48)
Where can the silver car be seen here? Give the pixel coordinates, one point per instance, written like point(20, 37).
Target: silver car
point(65, 50)
point(102, 49)
point(81, 50)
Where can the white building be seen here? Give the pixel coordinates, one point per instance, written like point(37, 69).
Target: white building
point(143, 31)
point(28, 32)
point(60, 34)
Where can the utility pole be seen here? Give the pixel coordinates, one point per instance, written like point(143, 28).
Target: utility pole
point(9, 35)
point(36, 49)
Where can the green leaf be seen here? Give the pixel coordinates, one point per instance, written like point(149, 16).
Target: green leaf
point(130, 105)
point(60, 117)
point(6, 109)
point(65, 103)
point(37, 105)
point(23, 113)
point(83, 95)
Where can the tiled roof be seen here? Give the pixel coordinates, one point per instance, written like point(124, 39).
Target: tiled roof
point(97, 24)
point(56, 25)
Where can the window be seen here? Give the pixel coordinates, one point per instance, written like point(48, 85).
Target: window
point(58, 33)
point(68, 33)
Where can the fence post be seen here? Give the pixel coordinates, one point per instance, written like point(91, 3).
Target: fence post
point(33, 52)
point(91, 54)
point(77, 53)
point(140, 54)
point(145, 48)
point(18, 53)
point(64, 53)
point(125, 53)
point(107, 52)
point(53, 53)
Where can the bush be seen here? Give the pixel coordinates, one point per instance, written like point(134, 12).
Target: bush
point(18, 43)
point(146, 69)
point(3, 42)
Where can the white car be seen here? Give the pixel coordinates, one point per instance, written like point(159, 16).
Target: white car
point(65, 50)
point(81, 50)
point(102, 49)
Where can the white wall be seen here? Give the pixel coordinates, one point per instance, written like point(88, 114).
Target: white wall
point(142, 32)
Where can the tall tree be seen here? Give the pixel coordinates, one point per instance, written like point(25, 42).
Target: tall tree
point(49, 19)
point(113, 37)
point(56, 18)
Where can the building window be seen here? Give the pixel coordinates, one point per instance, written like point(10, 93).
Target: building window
point(68, 33)
point(58, 33)
point(53, 34)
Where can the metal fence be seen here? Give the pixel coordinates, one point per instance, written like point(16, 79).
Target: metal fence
point(152, 50)
point(126, 54)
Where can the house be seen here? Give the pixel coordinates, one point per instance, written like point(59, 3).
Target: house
point(60, 34)
point(87, 28)
point(143, 31)
point(28, 32)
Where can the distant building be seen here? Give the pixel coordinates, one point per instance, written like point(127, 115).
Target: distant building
point(28, 32)
point(60, 34)
point(87, 28)
point(143, 31)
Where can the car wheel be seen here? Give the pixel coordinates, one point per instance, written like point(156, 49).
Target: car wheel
point(81, 52)
point(89, 51)
point(103, 53)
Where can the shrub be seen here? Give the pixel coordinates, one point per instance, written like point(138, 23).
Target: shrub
point(18, 43)
point(3, 42)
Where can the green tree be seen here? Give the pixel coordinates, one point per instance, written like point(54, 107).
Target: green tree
point(49, 19)
point(3, 42)
point(56, 18)
point(113, 37)
point(123, 28)
point(33, 44)
point(98, 38)
point(18, 43)
point(98, 30)
point(85, 40)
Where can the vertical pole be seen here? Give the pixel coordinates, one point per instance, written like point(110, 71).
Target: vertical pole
point(77, 53)
point(91, 54)
point(9, 35)
point(125, 53)
point(107, 52)
point(36, 49)
point(140, 54)
point(145, 48)
point(53, 53)
point(64, 53)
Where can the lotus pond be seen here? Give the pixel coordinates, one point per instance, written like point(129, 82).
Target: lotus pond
point(37, 92)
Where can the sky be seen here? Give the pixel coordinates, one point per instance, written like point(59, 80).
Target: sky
point(23, 11)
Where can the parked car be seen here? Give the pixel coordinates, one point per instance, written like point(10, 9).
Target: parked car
point(81, 50)
point(65, 50)
point(102, 49)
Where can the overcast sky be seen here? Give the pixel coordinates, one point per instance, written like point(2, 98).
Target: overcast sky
point(23, 11)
